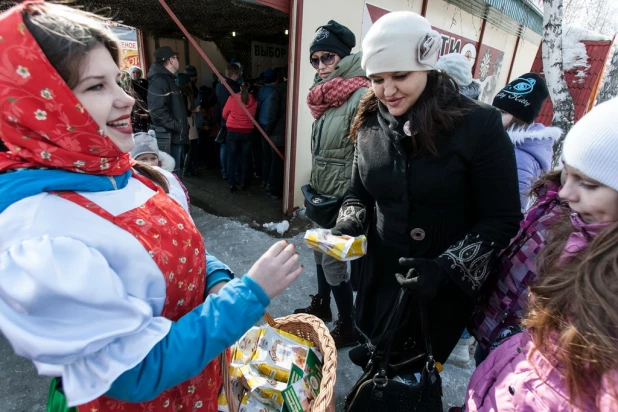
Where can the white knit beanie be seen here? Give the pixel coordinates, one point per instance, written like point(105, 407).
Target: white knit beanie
point(457, 66)
point(401, 41)
point(144, 143)
point(591, 146)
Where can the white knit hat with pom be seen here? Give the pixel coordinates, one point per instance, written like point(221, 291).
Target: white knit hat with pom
point(591, 146)
point(457, 66)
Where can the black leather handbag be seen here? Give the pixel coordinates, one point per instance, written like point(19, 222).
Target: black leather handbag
point(377, 391)
point(321, 209)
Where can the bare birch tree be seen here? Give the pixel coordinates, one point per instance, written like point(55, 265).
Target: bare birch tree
point(610, 87)
point(564, 109)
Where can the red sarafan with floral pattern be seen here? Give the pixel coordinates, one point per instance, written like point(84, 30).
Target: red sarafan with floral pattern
point(41, 121)
point(167, 232)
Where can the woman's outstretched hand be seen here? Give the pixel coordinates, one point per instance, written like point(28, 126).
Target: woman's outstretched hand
point(276, 269)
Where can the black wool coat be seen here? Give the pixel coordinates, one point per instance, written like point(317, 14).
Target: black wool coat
point(459, 207)
point(167, 104)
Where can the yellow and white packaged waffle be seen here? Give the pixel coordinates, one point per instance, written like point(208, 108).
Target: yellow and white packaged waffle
point(267, 391)
point(343, 248)
point(277, 351)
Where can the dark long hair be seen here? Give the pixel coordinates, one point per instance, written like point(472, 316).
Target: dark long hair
point(244, 92)
point(66, 35)
point(438, 110)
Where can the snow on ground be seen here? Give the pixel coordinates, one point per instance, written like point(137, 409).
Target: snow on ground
point(280, 227)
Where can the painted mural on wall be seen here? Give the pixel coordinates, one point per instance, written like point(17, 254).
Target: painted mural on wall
point(487, 69)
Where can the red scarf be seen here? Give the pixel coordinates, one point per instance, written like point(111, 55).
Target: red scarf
point(333, 93)
point(41, 121)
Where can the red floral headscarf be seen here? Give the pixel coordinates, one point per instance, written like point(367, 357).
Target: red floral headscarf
point(41, 121)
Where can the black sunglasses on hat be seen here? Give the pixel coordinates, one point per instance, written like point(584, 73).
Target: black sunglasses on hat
point(327, 59)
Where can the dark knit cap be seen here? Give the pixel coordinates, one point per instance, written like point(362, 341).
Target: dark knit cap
point(164, 53)
point(523, 97)
point(191, 71)
point(334, 38)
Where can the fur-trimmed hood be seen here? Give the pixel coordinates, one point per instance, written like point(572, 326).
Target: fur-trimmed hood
point(167, 162)
point(536, 131)
point(537, 141)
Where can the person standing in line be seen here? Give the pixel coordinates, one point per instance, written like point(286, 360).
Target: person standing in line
point(239, 134)
point(166, 104)
point(263, 99)
point(194, 117)
point(339, 84)
point(275, 128)
point(232, 74)
point(520, 102)
point(139, 86)
point(437, 173)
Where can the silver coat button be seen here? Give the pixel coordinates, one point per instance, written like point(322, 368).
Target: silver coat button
point(417, 234)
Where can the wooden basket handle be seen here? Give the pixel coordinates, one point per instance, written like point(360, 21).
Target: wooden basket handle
point(269, 319)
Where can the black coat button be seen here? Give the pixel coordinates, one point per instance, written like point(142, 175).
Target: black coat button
point(417, 234)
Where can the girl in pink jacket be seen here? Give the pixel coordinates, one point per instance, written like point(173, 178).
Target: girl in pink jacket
point(567, 358)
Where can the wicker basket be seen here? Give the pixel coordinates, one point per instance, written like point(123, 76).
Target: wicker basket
point(313, 329)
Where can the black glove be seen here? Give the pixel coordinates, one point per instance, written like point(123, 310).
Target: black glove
point(424, 278)
point(351, 220)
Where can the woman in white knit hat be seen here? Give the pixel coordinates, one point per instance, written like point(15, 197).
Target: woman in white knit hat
point(437, 173)
point(567, 358)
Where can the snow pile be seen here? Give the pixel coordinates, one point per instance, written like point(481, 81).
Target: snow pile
point(301, 211)
point(280, 227)
point(573, 50)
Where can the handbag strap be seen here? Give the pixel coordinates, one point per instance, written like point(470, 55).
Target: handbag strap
point(396, 315)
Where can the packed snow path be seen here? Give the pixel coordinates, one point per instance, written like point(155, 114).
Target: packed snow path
point(239, 246)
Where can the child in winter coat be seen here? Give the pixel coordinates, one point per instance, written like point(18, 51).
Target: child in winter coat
point(504, 297)
point(146, 150)
point(520, 102)
point(459, 68)
point(567, 358)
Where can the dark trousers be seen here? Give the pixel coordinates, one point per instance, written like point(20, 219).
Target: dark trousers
point(267, 160)
point(191, 156)
point(256, 153)
point(238, 150)
point(276, 172)
point(176, 153)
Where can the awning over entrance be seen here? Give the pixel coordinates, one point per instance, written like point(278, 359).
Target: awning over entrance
point(281, 5)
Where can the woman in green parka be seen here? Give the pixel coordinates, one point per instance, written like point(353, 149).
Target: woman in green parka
point(339, 85)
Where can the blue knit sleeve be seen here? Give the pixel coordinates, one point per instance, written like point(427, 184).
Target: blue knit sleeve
point(216, 271)
point(194, 341)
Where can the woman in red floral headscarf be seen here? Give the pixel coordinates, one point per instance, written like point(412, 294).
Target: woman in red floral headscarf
point(105, 281)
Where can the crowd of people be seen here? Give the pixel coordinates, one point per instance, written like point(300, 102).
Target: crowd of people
point(470, 229)
point(190, 122)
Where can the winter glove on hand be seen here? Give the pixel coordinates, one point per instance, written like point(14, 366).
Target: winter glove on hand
point(424, 278)
point(351, 220)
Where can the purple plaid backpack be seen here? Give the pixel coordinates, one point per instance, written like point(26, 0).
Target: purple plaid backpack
point(504, 296)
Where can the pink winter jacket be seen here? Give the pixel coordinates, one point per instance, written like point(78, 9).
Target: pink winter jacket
point(513, 378)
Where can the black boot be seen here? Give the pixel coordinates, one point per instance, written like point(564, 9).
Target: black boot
point(344, 333)
point(319, 307)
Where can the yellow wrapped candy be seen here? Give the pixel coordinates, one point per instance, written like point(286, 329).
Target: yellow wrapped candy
point(342, 248)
